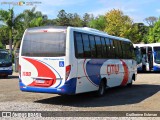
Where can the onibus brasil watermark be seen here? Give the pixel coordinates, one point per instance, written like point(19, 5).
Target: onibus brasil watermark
point(20, 114)
point(21, 3)
point(28, 114)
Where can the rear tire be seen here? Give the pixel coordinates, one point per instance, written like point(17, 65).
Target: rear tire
point(130, 84)
point(101, 90)
point(144, 68)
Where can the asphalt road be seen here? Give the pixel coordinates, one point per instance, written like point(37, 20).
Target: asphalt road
point(144, 95)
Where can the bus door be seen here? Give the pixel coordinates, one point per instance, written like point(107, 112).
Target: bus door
point(150, 58)
point(144, 58)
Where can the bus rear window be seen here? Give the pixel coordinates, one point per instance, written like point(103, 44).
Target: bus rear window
point(157, 55)
point(44, 44)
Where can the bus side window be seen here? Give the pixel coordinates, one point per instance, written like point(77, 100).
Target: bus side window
point(129, 52)
point(93, 46)
point(124, 50)
point(115, 42)
point(120, 49)
point(112, 50)
point(78, 45)
point(86, 46)
point(98, 47)
point(108, 48)
point(132, 51)
point(104, 53)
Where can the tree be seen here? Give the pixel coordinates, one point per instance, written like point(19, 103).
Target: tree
point(68, 19)
point(7, 17)
point(4, 38)
point(154, 33)
point(62, 19)
point(27, 19)
point(118, 24)
point(76, 20)
point(98, 23)
point(50, 22)
point(86, 19)
point(151, 20)
point(139, 32)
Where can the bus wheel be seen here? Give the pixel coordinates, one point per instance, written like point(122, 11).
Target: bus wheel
point(143, 68)
point(130, 84)
point(101, 90)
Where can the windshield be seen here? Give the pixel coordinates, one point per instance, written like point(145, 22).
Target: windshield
point(4, 57)
point(44, 44)
point(138, 55)
point(157, 55)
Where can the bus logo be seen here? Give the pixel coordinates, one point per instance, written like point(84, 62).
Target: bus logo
point(61, 63)
point(112, 69)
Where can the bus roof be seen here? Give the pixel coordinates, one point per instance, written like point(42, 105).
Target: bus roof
point(97, 32)
point(147, 45)
point(46, 29)
point(78, 29)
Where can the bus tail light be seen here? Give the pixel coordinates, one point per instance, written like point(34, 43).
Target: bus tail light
point(19, 70)
point(68, 69)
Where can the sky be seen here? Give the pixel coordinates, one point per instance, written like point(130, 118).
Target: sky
point(138, 10)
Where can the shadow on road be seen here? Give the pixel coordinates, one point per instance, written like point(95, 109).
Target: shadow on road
point(9, 77)
point(149, 72)
point(113, 97)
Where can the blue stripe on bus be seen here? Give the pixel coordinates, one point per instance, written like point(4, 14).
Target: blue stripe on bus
point(93, 68)
point(68, 88)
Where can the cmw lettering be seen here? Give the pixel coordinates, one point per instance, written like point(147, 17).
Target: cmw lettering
point(112, 69)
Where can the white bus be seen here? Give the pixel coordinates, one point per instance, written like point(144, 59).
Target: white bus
point(148, 56)
point(72, 60)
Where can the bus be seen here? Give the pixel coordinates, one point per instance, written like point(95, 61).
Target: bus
point(148, 57)
point(73, 60)
point(5, 63)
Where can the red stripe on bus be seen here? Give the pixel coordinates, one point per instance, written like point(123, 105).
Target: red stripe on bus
point(126, 73)
point(43, 71)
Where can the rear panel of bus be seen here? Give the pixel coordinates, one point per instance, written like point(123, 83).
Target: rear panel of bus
point(43, 64)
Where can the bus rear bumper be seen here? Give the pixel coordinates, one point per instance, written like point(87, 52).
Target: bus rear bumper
point(68, 88)
point(6, 72)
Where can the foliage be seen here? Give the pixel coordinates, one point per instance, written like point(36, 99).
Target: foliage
point(86, 19)
point(98, 23)
point(113, 22)
point(118, 24)
point(69, 19)
point(138, 33)
point(151, 20)
point(154, 33)
point(7, 18)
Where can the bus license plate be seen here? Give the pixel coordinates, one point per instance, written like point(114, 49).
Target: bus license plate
point(40, 81)
point(3, 68)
